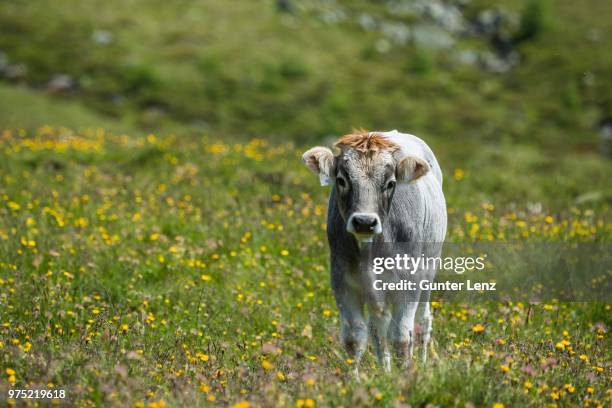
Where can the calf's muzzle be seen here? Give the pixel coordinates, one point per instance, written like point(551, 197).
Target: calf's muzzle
point(364, 223)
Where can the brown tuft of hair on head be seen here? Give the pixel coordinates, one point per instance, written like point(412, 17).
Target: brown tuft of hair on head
point(364, 141)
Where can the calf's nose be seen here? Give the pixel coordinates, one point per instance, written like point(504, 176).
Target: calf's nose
point(364, 223)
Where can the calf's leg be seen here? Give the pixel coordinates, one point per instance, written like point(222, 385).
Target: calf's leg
point(379, 325)
point(353, 329)
point(426, 322)
point(401, 330)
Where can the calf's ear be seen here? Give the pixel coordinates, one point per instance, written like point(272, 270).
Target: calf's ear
point(411, 168)
point(320, 160)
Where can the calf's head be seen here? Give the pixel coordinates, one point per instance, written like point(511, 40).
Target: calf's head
point(364, 174)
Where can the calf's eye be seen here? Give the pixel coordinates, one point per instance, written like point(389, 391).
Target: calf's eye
point(390, 185)
point(340, 181)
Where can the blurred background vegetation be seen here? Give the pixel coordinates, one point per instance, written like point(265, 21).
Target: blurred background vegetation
point(522, 86)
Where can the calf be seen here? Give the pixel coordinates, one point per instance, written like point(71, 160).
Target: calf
point(387, 188)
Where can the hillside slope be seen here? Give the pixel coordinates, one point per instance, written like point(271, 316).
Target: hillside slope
point(248, 68)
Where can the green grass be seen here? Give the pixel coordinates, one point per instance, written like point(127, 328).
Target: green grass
point(27, 109)
point(214, 257)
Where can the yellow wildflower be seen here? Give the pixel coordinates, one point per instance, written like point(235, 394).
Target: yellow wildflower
point(478, 328)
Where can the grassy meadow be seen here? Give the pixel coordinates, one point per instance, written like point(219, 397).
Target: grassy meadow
point(161, 243)
point(151, 270)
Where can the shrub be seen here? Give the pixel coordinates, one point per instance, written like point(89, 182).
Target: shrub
point(533, 22)
point(292, 68)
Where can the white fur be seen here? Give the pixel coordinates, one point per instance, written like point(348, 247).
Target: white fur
point(409, 144)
